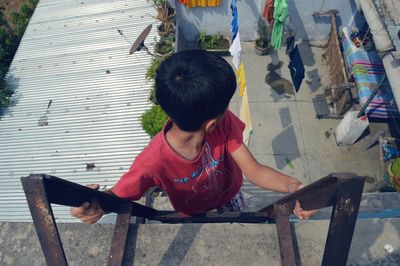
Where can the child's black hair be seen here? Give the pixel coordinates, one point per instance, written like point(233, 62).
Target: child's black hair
point(194, 86)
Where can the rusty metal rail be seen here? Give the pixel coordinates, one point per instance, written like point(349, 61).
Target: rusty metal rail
point(342, 191)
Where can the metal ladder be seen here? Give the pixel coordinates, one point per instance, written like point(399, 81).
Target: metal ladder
point(342, 191)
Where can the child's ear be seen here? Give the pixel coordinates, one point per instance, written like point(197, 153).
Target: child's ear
point(210, 125)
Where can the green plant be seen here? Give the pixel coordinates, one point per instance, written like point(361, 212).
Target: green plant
point(263, 30)
point(262, 43)
point(151, 74)
point(10, 36)
point(165, 13)
point(151, 71)
point(216, 41)
point(152, 96)
point(153, 120)
point(164, 46)
point(5, 95)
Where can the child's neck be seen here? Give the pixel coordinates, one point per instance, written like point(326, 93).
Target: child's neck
point(186, 144)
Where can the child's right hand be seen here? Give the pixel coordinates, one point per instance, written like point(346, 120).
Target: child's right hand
point(88, 212)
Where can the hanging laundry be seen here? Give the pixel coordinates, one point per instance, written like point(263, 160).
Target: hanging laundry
point(290, 41)
point(268, 11)
point(296, 68)
point(244, 115)
point(235, 26)
point(200, 3)
point(236, 51)
point(241, 79)
point(280, 14)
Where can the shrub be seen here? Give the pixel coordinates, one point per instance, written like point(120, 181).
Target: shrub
point(153, 120)
point(216, 41)
point(152, 97)
point(151, 71)
point(9, 41)
point(165, 46)
point(151, 74)
point(5, 95)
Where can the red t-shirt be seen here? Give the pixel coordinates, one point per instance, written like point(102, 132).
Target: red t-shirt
point(193, 187)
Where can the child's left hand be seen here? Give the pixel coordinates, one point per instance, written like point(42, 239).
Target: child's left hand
point(298, 210)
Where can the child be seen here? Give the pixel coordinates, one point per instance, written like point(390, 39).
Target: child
point(199, 156)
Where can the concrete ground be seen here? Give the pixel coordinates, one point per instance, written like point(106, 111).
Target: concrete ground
point(285, 127)
point(285, 124)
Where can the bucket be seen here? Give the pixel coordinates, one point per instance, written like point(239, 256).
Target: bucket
point(350, 128)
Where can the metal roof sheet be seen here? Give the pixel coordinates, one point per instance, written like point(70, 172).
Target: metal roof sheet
point(72, 55)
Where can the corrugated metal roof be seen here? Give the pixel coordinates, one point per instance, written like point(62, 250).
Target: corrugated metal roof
point(72, 55)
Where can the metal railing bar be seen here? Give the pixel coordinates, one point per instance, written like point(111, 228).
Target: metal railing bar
point(317, 195)
point(343, 221)
point(286, 247)
point(119, 238)
point(43, 219)
point(67, 193)
point(213, 217)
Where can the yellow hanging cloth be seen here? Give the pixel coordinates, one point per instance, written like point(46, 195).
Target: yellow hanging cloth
point(244, 115)
point(241, 79)
point(202, 3)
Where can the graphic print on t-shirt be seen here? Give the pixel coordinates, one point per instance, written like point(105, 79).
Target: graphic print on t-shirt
point(206, 180)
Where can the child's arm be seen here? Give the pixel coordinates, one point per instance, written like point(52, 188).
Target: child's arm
point(261, 175)
point(268, 178)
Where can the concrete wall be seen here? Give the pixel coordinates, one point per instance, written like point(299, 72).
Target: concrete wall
point(312, 28)
point(217, 19)
point(202, 244)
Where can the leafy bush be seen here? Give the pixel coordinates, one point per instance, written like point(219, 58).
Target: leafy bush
point(153, 120)
point(151, 71)
point(153, 98)
point(164, 46)
point(216, 41)
point(5, 95)
point(151, 74)
point(9, 41)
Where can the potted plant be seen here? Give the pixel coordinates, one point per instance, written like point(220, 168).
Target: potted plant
point(263, 42)
point(166, 15)
point(216, 43)
point(164, 47)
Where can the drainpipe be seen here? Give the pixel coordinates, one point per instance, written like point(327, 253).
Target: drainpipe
point(383, 44)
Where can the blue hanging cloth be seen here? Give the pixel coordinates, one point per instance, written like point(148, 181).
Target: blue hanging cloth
point(235, 26)
point(296, 68)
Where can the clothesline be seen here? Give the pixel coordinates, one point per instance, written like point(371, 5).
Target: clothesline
point(236, 51)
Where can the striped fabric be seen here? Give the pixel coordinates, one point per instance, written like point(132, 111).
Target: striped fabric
point(368, 71)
